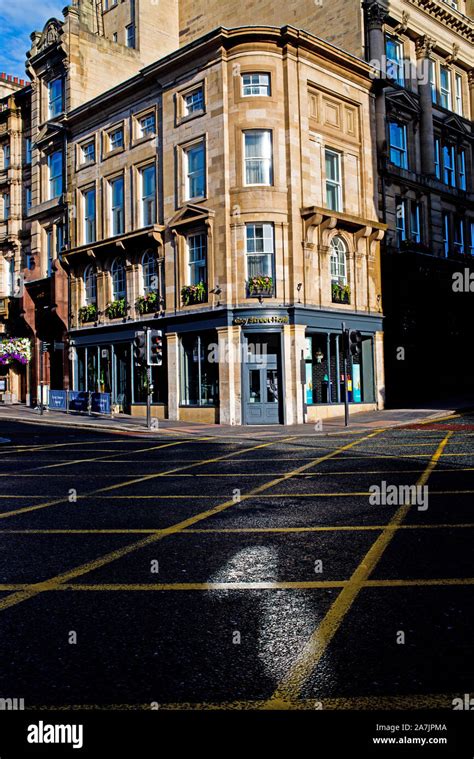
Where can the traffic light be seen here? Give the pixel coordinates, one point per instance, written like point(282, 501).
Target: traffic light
point(155, 347)
point(139, 348)
point(355, 339)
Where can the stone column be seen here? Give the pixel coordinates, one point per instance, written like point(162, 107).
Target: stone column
point(375, 17)
point(294, 345)
point(379, 370)
point(230, 375)
point(470, 79)
point(173, 375)
point(424, 45)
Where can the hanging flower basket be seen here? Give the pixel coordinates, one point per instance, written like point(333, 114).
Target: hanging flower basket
point(260, 284)
point(88, 313)
point(116, 309)
point(191, 294)
point(149, 303)
point(15, 349)
point(341, 294)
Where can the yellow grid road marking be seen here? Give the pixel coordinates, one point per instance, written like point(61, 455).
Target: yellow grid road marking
point(35, 589)
point(244, 530)
point(134, 481)
point(47, 586)
point(309, 657)
point(360, 703)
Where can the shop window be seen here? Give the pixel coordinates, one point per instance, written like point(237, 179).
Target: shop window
point(199, 370)
point(325, 372)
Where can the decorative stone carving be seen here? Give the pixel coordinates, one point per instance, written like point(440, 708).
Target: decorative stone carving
point(376, 15)
point(424, 45)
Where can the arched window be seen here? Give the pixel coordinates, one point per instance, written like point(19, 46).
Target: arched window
point(90, 285)
point(149, 272)
point(338, 261)
point(119, 280)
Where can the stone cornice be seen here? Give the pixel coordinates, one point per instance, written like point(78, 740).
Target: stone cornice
point(448, 16)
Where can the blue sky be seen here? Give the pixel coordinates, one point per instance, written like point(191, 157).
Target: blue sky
point(18, 18)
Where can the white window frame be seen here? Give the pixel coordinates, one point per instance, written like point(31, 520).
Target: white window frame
point(338, 261)
point(446, 233)
point(53, 110)
point(192, 176)
point(264, 160)
point(395, 67)
point(111, 133)
point(86, 159)
point(6, 150)
point(146, 125)
point(399, 150)
point(193, 101)
point(150, 280)
point(5, 206)
point(147, 202)
point(445, 93)
point(458, 94)
point(401, 220)
point(459, 241)
point(432, 66)
point(449, 170)
point(259, 84)
point(57, 179)
point(89, 230)
point(116, 212)
point(266, 242)
point(437, 157)
point(461, 169)
point(117, 267)
point(415, 221)
point(334, 183)
point(90, 285)
point(197, 266)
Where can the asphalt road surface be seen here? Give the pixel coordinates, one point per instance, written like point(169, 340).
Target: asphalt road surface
point(241, 572)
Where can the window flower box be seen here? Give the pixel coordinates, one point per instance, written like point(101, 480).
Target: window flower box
point(15, 349)
point(88, 313)
point(341, 293)
point(117, 309)
point(149, 303)
point(192, 294)
point(260, 284)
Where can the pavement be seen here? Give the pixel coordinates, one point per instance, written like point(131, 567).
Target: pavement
point(221, 572)
point(359, 421)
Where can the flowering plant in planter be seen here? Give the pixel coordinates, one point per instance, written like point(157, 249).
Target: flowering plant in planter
point(149, 303)
point(116, 309)
point(15, 349)
point(88, 313)
point(260, 283)
point(341, 293)
point(193, 294)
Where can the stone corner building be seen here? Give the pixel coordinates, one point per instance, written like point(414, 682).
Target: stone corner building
point(226, 195)
point(226, 176)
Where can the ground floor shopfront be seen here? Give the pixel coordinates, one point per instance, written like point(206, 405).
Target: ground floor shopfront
point(241, 366)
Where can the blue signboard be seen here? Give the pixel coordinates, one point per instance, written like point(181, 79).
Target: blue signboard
point(58, 400)
point(101, 403)
point(78, 400)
